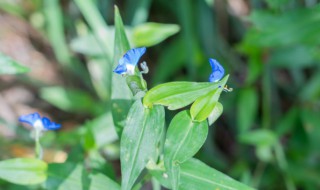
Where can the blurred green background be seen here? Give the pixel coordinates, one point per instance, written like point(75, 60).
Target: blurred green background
point(269, 133)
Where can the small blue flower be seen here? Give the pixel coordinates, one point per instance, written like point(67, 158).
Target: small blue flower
point(217, 71)
point(129, 60)
point(37, 122)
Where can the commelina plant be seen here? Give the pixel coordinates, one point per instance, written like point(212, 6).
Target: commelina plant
point(149, 149)
point(167, 154)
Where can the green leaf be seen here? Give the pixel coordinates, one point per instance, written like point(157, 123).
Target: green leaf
point(216, 112)
point(23, 171)
point(100, 68)
point(101, 130)
point(87, 45)
point(294, 56)
point(197, 175)
point(66, 176)
point(70, 100)
point(137, 11)
point(73, 176)
point(100, 181)
point(149, 34)
point(264, 153)
point(55, 32)
point(247, 109)
point(311, 89)
point(275, 30)
point(310, 119)
point(176, 95)
point(183, 140)
point(139, 141)
point(10, 66)
point(159, 173)
point(121, 95)
point(204, 106)
point(287, 121)
point(259, 137)
point(100, 74)
point(96, 21)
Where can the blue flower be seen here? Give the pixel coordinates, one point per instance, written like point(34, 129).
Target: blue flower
point(217, 71)
point(129, 60)
point(37, 122)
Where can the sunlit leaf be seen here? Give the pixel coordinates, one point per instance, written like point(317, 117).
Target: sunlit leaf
point(23, 171)
point(215, 114)
point(176, 95)
point(204, 105)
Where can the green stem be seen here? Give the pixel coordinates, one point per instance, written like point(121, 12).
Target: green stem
point(282, 162)
point(38, 148)
point(266, 98)
point(258, 174)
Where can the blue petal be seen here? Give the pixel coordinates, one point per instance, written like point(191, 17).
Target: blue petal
point(217, 71)
point(30, 118)
point(120, 69)
point(132, 56)
point(47, 124)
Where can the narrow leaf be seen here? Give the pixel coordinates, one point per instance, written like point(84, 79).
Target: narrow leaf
point(121, 95)
point(176, 95)
point(97, 23)
point(9, 66)
point(55, 32)
point(23, 171)
point(197, 175)
point(149, 34)
point(259, 137)
point(247, 108)
point(100, 69)
point(139, 141)
point(70, 100)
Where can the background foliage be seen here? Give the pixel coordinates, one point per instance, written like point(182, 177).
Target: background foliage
point(268, 134)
